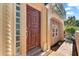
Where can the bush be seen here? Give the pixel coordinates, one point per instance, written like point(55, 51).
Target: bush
point(70, 29)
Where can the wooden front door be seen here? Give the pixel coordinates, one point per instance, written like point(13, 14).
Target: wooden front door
point(33, 28)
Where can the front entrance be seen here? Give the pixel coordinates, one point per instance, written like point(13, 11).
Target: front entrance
point(33, 28)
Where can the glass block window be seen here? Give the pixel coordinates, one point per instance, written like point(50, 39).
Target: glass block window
point(17, 29)
point(17, 26)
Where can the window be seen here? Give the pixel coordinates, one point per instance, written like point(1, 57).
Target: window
point(17, 29)
point(17, 26)
point(17, 13)
point(17, 38)
point(17, 32)
point(18, 49)
point(17, 44)
point(17, 8)
point(17, 20)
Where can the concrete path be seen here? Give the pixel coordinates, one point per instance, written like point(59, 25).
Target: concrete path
point(64, 50)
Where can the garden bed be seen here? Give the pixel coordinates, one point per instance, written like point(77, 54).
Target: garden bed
point(57, 45)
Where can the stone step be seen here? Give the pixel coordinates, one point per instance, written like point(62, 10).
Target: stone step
point(34, 52)
point(53, 54)
point(38, 54)
point(46, 53)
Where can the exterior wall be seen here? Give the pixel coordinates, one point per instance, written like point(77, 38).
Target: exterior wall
point(7, 15)
point(54, 31)
point(49, 15)
point(77, 40)
point(61, 25)
point(54, 16)
point(8, 28)
point(61, 30)
point(23, 29)
point(1, 30)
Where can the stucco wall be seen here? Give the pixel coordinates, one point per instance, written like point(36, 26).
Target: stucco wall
point(7, 29)
point(1, 30)
point(61, 29)
point(53, 15)
point(10, 28)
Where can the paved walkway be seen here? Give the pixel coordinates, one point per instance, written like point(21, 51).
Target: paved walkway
point(64, 50)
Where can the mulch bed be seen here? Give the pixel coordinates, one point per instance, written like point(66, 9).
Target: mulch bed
point(56, 46)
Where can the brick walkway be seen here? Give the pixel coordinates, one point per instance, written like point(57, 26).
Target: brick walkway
point(64, 50)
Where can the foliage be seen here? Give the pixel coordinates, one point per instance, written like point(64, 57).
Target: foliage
point(77, 23)
point(71, 29)
point(71, 21)
point(71, 25)
point(65, 22)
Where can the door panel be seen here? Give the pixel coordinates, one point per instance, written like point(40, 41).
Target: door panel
point(33, 28)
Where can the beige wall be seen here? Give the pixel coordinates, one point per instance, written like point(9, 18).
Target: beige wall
point(61, 30)
point(7, 33)
point(54, 26)
point(23, 29)
point(8, 28)
point(1, 29)
point(52, 15)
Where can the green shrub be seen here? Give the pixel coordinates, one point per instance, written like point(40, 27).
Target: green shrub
point(70, 29)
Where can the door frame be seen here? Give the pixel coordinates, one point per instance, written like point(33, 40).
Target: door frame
point(43, 26)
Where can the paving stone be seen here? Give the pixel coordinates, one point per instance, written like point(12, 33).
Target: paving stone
point(64, 50)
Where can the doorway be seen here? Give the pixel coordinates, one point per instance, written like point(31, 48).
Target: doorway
point(33, 28)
